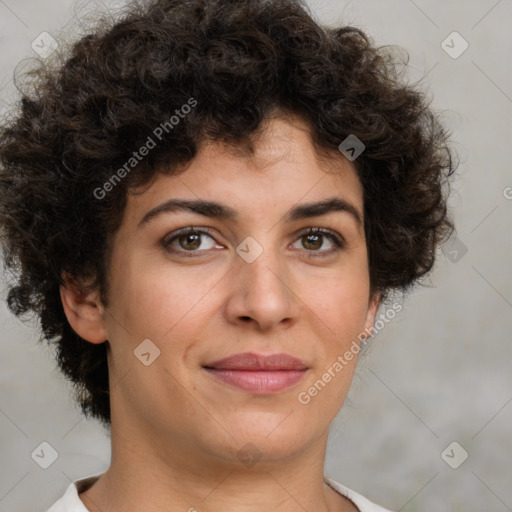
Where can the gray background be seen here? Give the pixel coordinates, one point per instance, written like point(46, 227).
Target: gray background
point(439, 372)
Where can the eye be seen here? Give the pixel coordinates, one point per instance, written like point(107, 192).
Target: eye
point(313, 239)
point(189, 240)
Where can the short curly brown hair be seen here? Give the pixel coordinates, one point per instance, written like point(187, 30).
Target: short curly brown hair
point(240, 61)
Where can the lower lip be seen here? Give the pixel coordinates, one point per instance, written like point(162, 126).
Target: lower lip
point(259, 382)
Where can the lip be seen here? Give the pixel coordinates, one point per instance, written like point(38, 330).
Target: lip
point(258, 362)
point(259, 374)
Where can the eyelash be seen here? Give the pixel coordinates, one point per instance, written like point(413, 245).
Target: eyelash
point(336, 239)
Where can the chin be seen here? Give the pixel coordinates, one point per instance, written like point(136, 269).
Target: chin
point(269, 440)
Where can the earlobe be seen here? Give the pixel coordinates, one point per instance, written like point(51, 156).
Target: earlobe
point(84, 312)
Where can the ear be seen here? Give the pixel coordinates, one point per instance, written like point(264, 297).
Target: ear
point(373, 306)
point(84, 311)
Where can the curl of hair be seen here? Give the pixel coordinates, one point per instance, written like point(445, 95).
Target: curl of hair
point(242, 61)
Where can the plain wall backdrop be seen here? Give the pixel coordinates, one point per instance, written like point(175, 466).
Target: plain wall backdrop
point(438, 373)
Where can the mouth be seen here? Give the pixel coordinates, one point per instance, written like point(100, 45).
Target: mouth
point(258, 374)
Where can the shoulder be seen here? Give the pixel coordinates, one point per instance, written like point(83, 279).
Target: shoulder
point(362, 503)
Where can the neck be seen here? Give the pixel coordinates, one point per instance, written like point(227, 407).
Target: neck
point(157, 475)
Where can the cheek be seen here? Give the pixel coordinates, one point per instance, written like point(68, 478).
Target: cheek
point(341, 302)
point(153, 301)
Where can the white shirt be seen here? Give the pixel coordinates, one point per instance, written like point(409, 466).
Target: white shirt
point(70, 502)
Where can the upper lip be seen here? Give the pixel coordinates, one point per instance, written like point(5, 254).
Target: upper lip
point(255, 362)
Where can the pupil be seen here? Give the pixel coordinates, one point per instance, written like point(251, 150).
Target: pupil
point(189, 239)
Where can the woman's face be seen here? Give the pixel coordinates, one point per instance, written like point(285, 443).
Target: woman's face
point(255, 283)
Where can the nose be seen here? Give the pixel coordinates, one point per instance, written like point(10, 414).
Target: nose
point(262, 293)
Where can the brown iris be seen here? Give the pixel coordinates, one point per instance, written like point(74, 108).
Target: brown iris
point(191, 237)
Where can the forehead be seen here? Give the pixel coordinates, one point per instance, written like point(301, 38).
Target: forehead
point(285, 139)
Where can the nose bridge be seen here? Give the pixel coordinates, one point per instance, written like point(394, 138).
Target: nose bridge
point(262, 281)
point(262, 266)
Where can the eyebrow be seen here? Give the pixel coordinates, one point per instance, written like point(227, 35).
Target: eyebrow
point(223, 212)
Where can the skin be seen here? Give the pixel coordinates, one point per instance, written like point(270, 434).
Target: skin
point(176, 430)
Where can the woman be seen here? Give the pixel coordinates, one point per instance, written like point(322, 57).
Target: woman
point(206, 203)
